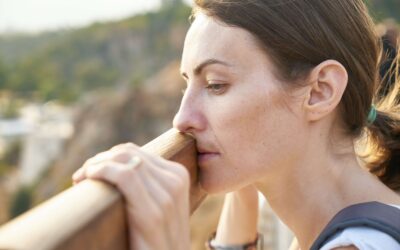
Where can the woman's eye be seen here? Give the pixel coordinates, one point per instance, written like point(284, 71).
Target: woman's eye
point(217, 88)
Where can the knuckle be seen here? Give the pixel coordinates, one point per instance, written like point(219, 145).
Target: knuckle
point(124, 145)
point(93, 170)
point(117, 147)
point(157, 216)
point(178, 186)
point(121, 152)
point(183, 173)
point(129, 144)
point(88, 161)
point(167, 203)
point(103, 156)
point(122, 177)
point(122, 155)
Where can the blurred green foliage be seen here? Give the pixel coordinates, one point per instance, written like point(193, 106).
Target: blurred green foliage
point(15, 47)
point(103, 55)
point(9, 159)
point(3, 75)
point(382, 9)
point(21, 201)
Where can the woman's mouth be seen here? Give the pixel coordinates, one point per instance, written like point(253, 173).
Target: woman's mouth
point(203, 157)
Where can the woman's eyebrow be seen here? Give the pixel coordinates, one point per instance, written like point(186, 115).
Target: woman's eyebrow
point(199, 68)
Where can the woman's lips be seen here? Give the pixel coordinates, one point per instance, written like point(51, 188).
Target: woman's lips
point(206, 156)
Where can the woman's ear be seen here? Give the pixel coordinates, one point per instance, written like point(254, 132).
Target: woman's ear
point(329, 81)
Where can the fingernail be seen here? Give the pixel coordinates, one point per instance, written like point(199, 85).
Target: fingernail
point(77, 174)
point(134, 162)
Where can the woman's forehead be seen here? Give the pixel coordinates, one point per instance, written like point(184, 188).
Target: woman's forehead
point(209, 30)
point(210, 38)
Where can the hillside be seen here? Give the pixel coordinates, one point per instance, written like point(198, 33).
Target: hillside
point(15, 47)
point(64, 65)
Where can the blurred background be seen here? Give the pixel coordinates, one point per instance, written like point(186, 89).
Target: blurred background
point(77, 77)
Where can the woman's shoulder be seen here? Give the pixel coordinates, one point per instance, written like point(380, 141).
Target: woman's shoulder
point(362, 238)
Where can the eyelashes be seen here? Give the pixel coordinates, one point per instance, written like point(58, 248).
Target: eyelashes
point(217, 88)
point(212, 88)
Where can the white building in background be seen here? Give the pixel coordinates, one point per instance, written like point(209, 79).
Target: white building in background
point(42, 129)
point(12, 130)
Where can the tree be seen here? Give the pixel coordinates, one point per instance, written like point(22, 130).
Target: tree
point(3, 76)
point(382, 9)
point(170, 3)
point(21, 201)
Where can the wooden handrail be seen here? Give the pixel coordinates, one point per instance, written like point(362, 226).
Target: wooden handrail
point(91, 215)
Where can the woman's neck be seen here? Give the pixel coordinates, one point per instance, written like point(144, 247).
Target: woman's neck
point(309, 193)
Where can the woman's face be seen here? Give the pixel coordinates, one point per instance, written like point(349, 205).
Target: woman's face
point(245, 125)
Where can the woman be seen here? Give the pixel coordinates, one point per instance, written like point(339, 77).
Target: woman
point(277, 94)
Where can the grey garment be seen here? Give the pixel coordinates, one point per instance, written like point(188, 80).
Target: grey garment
point(375, 215)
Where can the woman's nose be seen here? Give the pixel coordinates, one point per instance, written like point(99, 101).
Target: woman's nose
point(189, 118)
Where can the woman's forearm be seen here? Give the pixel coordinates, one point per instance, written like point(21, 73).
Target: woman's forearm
point(294, 245)
point(238, 221)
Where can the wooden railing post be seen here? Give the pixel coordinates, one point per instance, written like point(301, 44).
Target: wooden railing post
point(91, 215)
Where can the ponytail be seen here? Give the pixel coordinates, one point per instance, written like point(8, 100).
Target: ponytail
point(382, 151)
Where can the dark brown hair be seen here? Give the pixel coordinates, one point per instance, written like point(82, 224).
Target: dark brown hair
point(300, 34)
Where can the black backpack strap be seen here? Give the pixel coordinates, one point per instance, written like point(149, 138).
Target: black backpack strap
point(379, 216)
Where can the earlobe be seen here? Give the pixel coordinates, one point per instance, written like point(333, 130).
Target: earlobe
point(329, 81)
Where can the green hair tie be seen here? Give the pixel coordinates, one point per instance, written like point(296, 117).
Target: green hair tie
point(372, 115)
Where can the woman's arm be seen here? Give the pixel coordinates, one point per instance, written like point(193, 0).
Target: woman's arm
point(238, 220)
point(294, 245)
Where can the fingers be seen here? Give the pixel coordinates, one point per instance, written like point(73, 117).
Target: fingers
point(111, 171)
point(157, 161)
point(138, 188)
point(78, 176)
point(171, 194)
point(123, 152)
point(109, 155)
point(156, 192)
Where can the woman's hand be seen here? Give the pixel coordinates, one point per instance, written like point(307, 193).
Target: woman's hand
point(156, 193)
point(238, 221)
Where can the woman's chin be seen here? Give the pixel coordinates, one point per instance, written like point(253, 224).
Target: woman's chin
point(211, 186)
point(215, 186)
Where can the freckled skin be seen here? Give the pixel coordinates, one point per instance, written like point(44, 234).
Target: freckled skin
point(247, 124)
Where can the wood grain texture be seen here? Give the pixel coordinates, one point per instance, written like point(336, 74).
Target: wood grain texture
point(91, 215)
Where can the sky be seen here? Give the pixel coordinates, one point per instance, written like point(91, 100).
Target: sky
point(41, 15)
